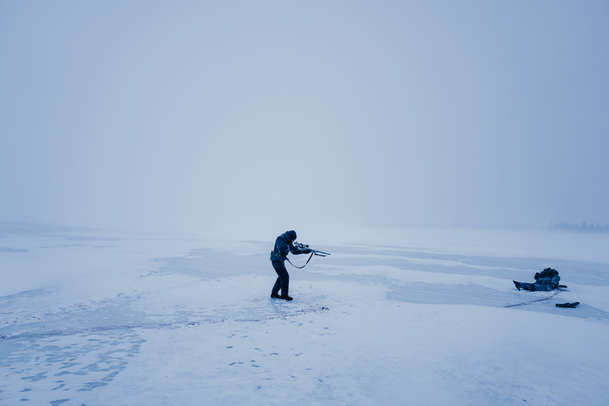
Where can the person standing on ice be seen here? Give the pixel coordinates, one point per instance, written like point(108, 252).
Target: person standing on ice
point(283, 245)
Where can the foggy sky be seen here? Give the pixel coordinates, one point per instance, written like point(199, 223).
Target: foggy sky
point(194, 115)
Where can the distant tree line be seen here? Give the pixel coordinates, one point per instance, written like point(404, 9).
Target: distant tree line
point(583, 227)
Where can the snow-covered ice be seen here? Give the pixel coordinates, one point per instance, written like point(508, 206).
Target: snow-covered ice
point(419, 317)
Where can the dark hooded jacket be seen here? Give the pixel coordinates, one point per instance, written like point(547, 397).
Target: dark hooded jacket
point(284, 245)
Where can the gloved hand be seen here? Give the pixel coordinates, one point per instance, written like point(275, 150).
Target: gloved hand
point(308, 251)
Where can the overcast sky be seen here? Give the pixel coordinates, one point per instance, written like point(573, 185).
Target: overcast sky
point(194, 115)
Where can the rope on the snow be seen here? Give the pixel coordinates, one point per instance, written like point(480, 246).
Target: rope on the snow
point(543, 299)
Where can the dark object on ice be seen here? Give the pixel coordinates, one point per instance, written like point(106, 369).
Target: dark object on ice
point(283, 245)
point(569, 305)
point(325, 308)
point(545, 280)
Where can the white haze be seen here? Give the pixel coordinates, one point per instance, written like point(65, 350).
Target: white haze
point(196, 115)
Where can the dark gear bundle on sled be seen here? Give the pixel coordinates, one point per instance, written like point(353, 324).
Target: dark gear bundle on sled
point(546, 280)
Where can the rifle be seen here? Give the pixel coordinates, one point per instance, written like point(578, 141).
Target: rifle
point(304, 247)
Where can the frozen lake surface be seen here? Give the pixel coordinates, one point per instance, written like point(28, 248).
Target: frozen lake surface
point(420, 317)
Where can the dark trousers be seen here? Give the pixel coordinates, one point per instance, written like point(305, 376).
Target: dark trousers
point(283, 280)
